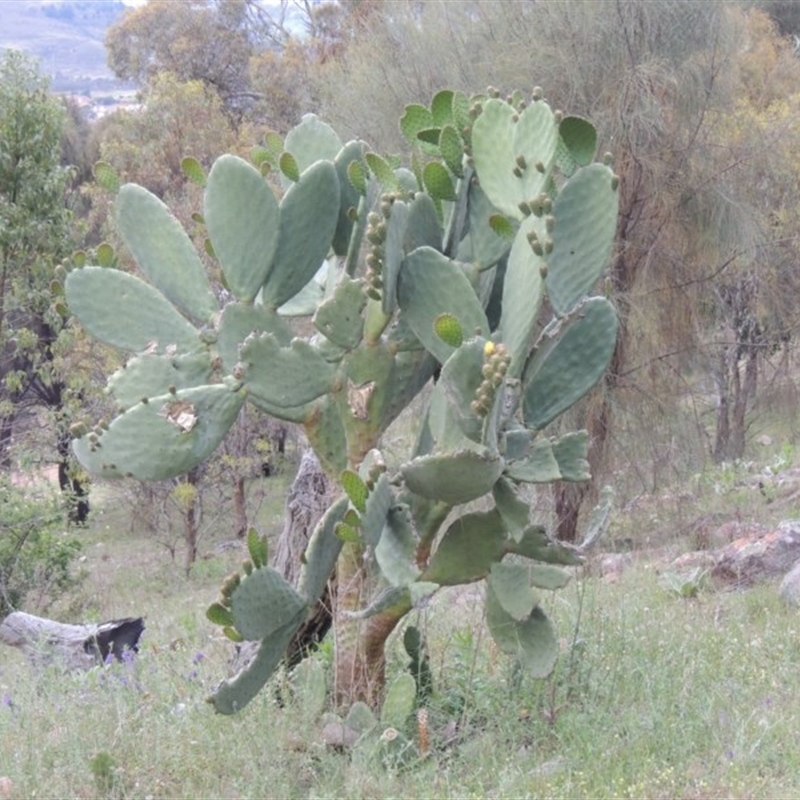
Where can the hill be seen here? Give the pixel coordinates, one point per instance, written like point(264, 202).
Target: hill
point(67, 36)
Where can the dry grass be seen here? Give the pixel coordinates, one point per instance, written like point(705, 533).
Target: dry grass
point(654, 695)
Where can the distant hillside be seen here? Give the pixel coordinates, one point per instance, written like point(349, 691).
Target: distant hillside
point(67, 35)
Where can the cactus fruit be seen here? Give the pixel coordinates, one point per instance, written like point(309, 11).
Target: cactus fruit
point(440, 271)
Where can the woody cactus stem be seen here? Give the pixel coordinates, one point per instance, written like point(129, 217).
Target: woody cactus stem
point(502, 209)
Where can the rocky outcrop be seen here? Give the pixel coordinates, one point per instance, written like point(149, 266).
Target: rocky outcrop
point(751, 559)
point(757, 556)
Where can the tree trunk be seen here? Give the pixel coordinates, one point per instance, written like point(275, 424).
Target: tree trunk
point(239, 506)
point(71, 487)
point(191, 521)
point(6, 429)
point(307, 500)
point(45, 642)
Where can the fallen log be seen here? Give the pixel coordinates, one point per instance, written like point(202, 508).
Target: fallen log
point(45, 641)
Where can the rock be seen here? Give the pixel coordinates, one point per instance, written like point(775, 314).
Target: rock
point(790, 586)
point(752, 559)
point(339, 735)
point(611, 565)
point(701, 559)
point(733, 530)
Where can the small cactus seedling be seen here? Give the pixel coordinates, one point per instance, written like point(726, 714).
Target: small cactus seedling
point(442, 270)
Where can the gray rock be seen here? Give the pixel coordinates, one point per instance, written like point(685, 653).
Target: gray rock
point(750, 560)
point(790, 586)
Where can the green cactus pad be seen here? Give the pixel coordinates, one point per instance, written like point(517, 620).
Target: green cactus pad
point(486, 244)
point(415, 119)
point(537, 545)
point(560, 374)
point(532, 641)
point(438, 182)
point(522, 295)
point(383, 172)
point(284, 376)
point(398, 704)
point(309, 212)
point(289, 169)
point(126, 312)
point(395, 601)
point(193, 170)
point(234, 694)
point(321, 554)
point(396, 547)
point(164, 252)
point(263, 603)
point(459, 106)
point(454, 478)
point(357, 177)
point(430, 285)
point(469, 547)
point(257, 548)
point(219, 615)
point(152, 375)
point(458, 383)
point(351, 153)
point(339, 318)
point(310, 687)
point(325, 432)
point(355, 489)
point(452, 150)
point(412, 369)
point(511, 585)
point(579, 137)
point(547, 576)
point(497, 143)
point(373, 520)
point(571, 453)
point(360, 718)
point(540, 465)
point(423, 227)
point(238, 321)
point(242, 217)
point(585, 213)
point(312, 140)
point(105, 255)
point(368, 371)
point(164, 437)
point(394, 252)
point(514, 511)
point(106, 176)
point(442, 107)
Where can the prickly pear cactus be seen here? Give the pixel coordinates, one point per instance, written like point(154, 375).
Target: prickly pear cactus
point(448, 268)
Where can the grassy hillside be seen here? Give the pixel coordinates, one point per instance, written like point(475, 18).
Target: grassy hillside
point(655, 695)
point(66, 36)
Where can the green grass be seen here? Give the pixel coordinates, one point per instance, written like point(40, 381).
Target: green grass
point(653, 696)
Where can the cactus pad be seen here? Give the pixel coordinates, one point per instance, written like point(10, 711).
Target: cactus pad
point(126, 312)
point(469, 547)
point(454, 478)
point(559, 375)
point(164, 437)
point(263, 603)
point(165, 254)
point(309, 212)
point(242, 216)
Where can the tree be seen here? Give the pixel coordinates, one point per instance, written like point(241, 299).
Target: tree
point(194, 40)
point(656, 78)
point(35, 234)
